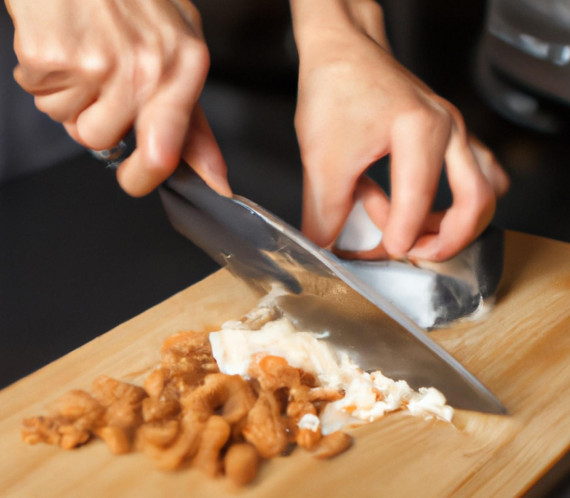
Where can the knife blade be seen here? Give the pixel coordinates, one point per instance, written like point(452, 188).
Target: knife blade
point(323, 294)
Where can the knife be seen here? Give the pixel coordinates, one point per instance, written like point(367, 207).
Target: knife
point(358, 314)
point(323, 294)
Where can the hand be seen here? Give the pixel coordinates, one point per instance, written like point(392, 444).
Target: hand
point(356, 104)
point(103, 67)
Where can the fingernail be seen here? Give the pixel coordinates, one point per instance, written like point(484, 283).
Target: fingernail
point(424, 250)
point(220, 184)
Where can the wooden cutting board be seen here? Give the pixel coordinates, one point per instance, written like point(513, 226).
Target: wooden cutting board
point(521, 352)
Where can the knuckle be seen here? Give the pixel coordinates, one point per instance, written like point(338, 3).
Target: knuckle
point(196, 55)
point(148, 70)
point(96, 65)
point(34, 56)
point(395, 247)
point(427, 116)
point(29, 57)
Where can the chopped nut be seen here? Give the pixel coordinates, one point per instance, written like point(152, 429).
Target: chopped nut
point(72, 436)
point(265, 428)
point(108, 390)
point(156, 409)
point(181, 450)
point(155, 383)
point(76, 405)
point(116, 438)
point(189, 352)
point(308, 439)
point(216, 434)
point(332, 445)
point(41, 430)
point(240, 399)
point(273, 372)
point(189, 412)
point(157, 433)
point(241, 463)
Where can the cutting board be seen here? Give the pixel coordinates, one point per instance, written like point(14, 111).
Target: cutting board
point(521, 351)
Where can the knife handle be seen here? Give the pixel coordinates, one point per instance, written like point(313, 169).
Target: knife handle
point(114, 156)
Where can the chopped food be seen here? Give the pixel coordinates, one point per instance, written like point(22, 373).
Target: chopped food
point(223, 401)
point(350, 396)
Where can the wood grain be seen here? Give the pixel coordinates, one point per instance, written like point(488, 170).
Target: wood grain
point(521, 351)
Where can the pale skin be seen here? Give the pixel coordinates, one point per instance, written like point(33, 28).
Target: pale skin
point(101, 67)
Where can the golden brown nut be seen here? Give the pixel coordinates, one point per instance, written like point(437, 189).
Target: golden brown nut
point(308, 439)
point(322, 394)
point(77, 404)
point(122, 413)
point(159, 434)
point(215, 435)
point(40, 430)
point(230, 393)
point(72, 436)
point(205, 399)
point(156, 381)
point(332, 445)
point(265, 428)
point(116, 438)
point(296, 410)
point(54, 430)
point(181, 450)
point(108, 390)
point(241, 463)
point(273, 372)
point(157, 409)
point(185, 351)
point(240, 399)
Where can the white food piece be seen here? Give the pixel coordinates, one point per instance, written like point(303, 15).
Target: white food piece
point(359, 232)
point(409, 289)
point(368, 396)
point(310, 422)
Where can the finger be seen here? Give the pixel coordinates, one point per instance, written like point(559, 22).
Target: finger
point(361, 237)
point(71, 129)
point(160, 134)
point(327, 200)
point(471, 211)
point(490, 167)
point(43, 80)
point(418, 149)
point(162, 126)
point(203, 154)
point(58, 93)
point(66, 105)
point(105, 122)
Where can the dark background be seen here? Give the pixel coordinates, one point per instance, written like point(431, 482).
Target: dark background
point(78, 257)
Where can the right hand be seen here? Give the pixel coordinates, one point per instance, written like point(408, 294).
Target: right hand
point(104, 67)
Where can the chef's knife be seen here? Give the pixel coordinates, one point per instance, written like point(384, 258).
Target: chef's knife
point(323, 295)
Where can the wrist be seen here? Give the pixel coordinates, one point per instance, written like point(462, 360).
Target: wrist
point(318, 20)
point(315, 18)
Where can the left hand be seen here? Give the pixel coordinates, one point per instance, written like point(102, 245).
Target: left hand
point(356, 104)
